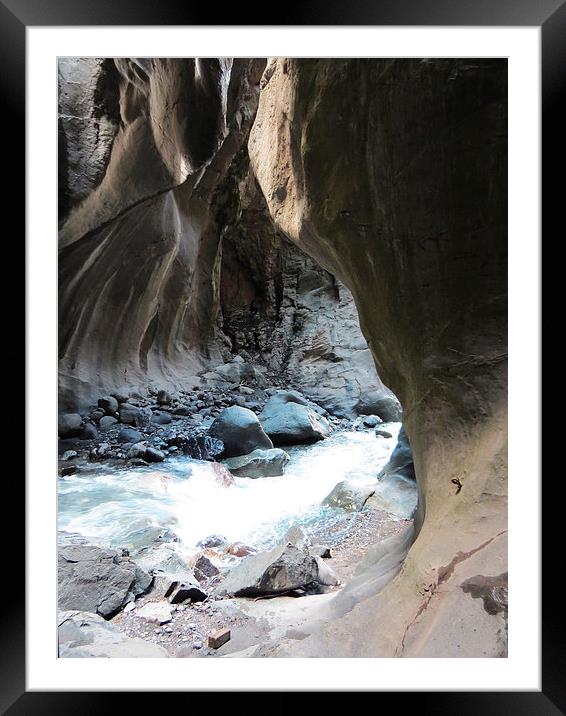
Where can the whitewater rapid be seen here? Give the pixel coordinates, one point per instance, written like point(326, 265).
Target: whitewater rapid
point(131, 508)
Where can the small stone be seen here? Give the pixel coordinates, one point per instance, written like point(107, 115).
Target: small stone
point(245, 390)
point(130, 606)
point(218, 638)
point(69, 455)
point(197, 644)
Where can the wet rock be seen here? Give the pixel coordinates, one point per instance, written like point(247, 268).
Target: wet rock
point(69, 455)
point(288, 418)
point(137, 451)
point(109, 404)
point(212, 541)
point(240, 431)
point(154, 455)
point(259, 463)
point(67, 470)
point(401, 460)
point(129, 435)
point(282, 569)
point(348, 496)
point(87, 635)
point(381, 432)
point(371, 421)
point(69, 425)
point(107, 422)
point(120, 397)
point(239, 549)
point(89, 432)
point(97, 580)
point(96, 415)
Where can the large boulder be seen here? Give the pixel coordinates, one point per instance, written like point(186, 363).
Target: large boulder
point(240, 431)
point(97, 580)
point(69, 425)
point(382, 403)
point(283, 569)
point(401, 460)
point(259, 463)
point(87, 635)
point(348, 496)
point(289, 418)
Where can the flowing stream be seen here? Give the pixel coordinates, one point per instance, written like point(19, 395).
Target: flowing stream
point(133, 507)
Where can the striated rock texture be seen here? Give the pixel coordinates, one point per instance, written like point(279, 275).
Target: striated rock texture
point(139, 244)
point(169, 260)
point(392, 175)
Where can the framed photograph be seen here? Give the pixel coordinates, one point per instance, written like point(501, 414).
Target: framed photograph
point(283, 306)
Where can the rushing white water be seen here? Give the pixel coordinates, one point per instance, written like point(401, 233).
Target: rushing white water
point(130, 508)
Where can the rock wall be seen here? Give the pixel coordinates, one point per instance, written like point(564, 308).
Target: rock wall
point(139, 244)
point(392, 175)
point(169, 259)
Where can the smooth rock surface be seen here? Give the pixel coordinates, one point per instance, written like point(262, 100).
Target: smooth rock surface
point(288, 418)
point(259, 463)
point(348, 496)
point(240, 431)
point(82, 634)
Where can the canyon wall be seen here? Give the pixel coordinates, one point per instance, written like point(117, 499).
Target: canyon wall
point(390, 175)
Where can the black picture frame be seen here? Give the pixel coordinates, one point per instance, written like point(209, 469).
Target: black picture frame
point(550, 15)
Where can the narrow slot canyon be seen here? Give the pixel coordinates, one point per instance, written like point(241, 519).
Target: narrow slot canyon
point(282, 358)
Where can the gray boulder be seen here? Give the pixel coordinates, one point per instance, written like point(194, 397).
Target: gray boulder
point(109, 404)
point(69, 425)
point(288, 418)
point(371, 421)
point(401, 460)
point(259, 463)
point(97, 580)
point(129, 435)
point(348, 496)
point(154, 455)
point(129, 414)
point(240, 431)
point(82, 634)
point(107, 422)
point(89, 432)
point(383, 403)
point(283, 569)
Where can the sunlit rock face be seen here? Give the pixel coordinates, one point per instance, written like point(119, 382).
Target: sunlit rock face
point(392, 175)
point(139, 243)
